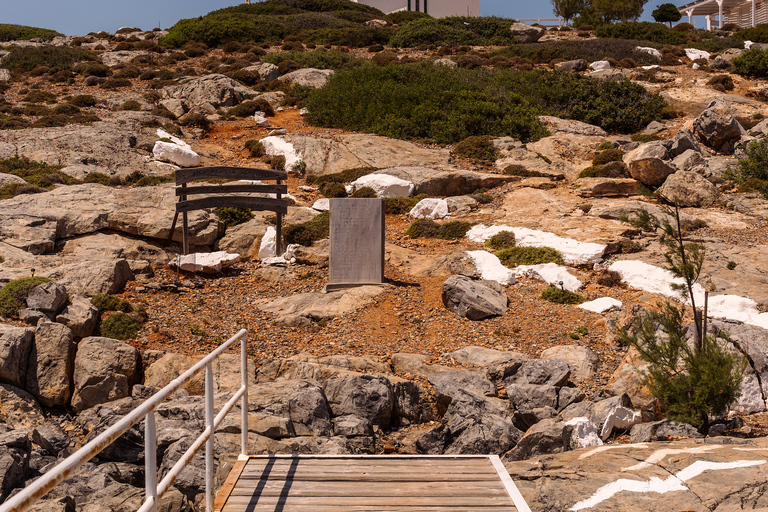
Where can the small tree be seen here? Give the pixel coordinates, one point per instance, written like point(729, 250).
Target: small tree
point(619, 10)
point(691, 380)
point(666, 13)
point(568, 9)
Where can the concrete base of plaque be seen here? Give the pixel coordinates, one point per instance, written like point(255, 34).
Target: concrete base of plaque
point(357, 243)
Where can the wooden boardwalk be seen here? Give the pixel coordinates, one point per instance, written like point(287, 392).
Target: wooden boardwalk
point(399, 483)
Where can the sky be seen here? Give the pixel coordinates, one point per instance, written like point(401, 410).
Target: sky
point(79, 17)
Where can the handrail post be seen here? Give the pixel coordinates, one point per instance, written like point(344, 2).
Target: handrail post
point(209, 417)
point(150, 459)
point(244, 399)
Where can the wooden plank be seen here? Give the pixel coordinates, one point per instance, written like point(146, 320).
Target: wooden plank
point(382, 489)
point(229, 485)
point(230, 173)
point(463, 467)
point(258, 507)
point(254, 203)
point(233, 189)
point(343, 501)
point(373, 476)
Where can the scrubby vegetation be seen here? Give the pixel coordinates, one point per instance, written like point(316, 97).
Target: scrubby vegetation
point(464, 30)
point(478, 147)
point(501, 240)
point(27, 58)
point(320, 59)
point(427, 228)
point(9, 32)
point(561, 296)
point(13, 296)
point(39, 176)
point(306, 233)
point(231, 216)
point(346, 176)
point(401, 205)
point(448, 105)
point(752, 63)
point(108, 302)
point(514, 256)
point(120, 326)
point(752, 173)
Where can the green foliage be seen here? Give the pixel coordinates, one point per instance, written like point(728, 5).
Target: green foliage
point(478, 147)
point(609, 170)
point(25, 59)
point(561, 296)
point(255, 148)
point(365, 192)
point(644, 137)
point(13, 296)
point(666, 13)
point(513, 256)
point(400, 205)
point(423, 228)
point(197, 120)
point(231, 216)
point(568, 9)
point(608, 155)
point(722, 83)
point(130, 105)
point(38, 174)
point(463, 30)
point(731, 265)
point(120, 326)
point(641, 31)
point(752, 62)
point(501, 240)
point(139, 179)
point(758, 34)
point(308, 232)
point(588, 49)
point(333, 189)
point(614, 10)
point(250, 107)
point(642, 220)
point(10, 32)
point(320, 59)
point(346, 176)
point(690, 383)
point(107, 302)
point(453, 230)
point(752, 174)
point(521, 170)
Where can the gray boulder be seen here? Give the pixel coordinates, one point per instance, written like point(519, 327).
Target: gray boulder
point(412, 402)
point(523, 33)
point(720, 63)
point(367, 396)
point(553, 372)
point(211, 89)
point(266, 70)
point(15, 346)
point(352, 426)
point(557, 125)
point(572, 66)
point(105, 370)
point(49, 297)
point(473, 299)
point(546, 436)
point(684, 141)
point(433, 182)
point(307, 77)
point(717, 127)
point(51, 363)
point(94, 276)
point(51, 438)
point(531, 396)
point(607, 187)
point(582, 361)
point(647, 164)
point(688, 188)
point(19, 409)
point(14, 465)
point(301, 402)
point(689, 160)
point(81, 316)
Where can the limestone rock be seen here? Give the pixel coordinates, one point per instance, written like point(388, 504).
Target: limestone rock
point(553, 372)
point(717, 126)
point(51, 438)
point(210, 263)
point(572, 66)
point(7, 179)
point(384, 185)
point(307, 77)
point(318, 306)
point(176, 107)
point(526, 397)
point(646, 164)
point(433, 182)
point(15, 346)
point(582, 361)
point(688, 188)
point(546, 436)
point(19, 409)
point(607, 187)
point(49, 297)
point(51, 361)
point(523, 33)
point(557, 125)
point(120, 57)
point(473, 299)
point(430, 208)
point(94, 276)
point(367, 396)
point(689, 160)
point(105, 370)
point(213, 89)
point(181, 155)
point(266, 70)
point(80, 315)
point(684, 141)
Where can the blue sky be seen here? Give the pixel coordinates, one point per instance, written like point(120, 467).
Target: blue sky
point(78, 17)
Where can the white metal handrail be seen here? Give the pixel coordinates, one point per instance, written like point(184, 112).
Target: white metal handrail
point(154, 491)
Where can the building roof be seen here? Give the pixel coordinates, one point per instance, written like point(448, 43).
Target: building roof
point(705, 7)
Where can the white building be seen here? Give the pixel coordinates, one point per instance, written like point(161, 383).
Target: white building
point(435, 8)
point(745, 13)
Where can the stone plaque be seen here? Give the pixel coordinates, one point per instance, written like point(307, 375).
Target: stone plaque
point(357, 242)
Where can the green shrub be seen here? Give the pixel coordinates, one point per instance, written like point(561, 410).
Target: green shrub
point(453, 230)
point(464, 30)
point(423, 228)
point(513, 256)
point(250, 107)
point(197, 120)
point(37, 174)
point(401, 205)
point(333, 189)
point(364, 192)
point(25, 59)
point(589, 49)
point(609, 170)
point(10, 32)
point(753, 63)
point(641, 31)
point(346, 176)
point(130, 105)
point(721, 83)
point(561, 296)
point(139, 179)
point(754, 185)
point(306, 233)
point(758, 34)
point(320, 59)
point(107, 302)
point(501, 240)
point(39, 96)
point(644, 137)
point(120, 326)
point(255, 148)
point(478, 147)
point(13, 296)
point(521, 170)
point(231, 216)
point(448, 105)
point(608, 155)
point(82, 100)
point(97, 177)
point(754, 164)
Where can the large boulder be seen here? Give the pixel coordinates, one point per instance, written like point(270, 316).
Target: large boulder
point(15, 345)
point(647, 164)
point(266, 70)
point(93, 276)
point(523, 33)
point(49, 297)
point(384, 185)
point(683, 141)
point(51, 363)
point(105, 370)
point(607, 187)
point(212, 89)
point(445, 183)
point(474, 299)
point(80, 315)
point(582, 361)
point(688, 188)
point(717, 127)
point(367, 396)
point(19, 409)
point(307, 77)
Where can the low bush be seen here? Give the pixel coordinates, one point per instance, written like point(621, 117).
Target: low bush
point(609, 170)
point(197, 120)
point(588, 49)
point(120, 326)
point(82, 100)
point(423, 228)
point(306, 233)
point(108, 302)
point(13, 296)
point(231, 216)
point(752, 173)
point(453, 230)
point(513, 256)
point(561, 296)
point(464, 30)
point(130, 105)
point(97, 177)
point(39, 96)
point(641, 31)
point(250, 107)
point(758, 34)
point(401, 205)
point(365, 192)
point(332, 189)
point(521, 170)
point(721, 83)
point(37, 174)
point(139, 179)
point(255, 148)
point(501, 240)
point(753, 63)
point(9, 32)
point(609, 278)
point(320, 59)
point(346, 176)
point(478, 147)
point(608, 155)
point(25, 59)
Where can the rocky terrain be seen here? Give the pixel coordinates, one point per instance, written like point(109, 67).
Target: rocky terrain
point(454, 353)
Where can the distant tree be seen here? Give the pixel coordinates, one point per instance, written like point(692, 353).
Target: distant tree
point(568, 9)
point(619, 10)
point(666, 13)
